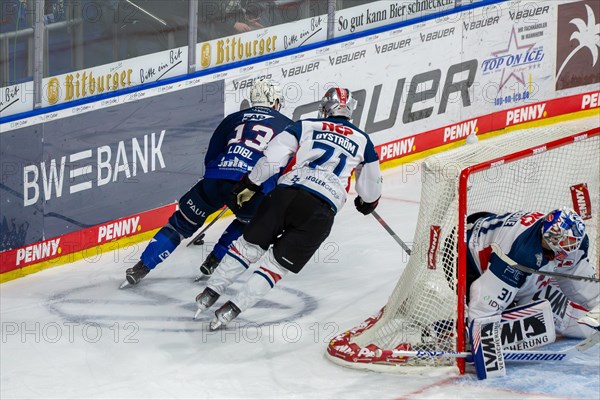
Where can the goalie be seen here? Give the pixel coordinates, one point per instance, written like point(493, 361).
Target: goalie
point(543, 242)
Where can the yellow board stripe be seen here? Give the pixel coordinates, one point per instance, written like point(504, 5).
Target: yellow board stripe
point(80, 255)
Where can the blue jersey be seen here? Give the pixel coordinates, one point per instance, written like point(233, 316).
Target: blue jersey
point(240, 140)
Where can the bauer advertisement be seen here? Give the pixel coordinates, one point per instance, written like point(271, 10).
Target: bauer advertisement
point(484, 69)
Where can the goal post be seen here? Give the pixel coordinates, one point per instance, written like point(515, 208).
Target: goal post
point(538, 169)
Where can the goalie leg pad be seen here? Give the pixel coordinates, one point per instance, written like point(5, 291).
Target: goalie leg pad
point(260, 283)
point(484, 334)
point(527, 326)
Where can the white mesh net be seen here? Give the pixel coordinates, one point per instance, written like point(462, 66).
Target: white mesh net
point(423, 308)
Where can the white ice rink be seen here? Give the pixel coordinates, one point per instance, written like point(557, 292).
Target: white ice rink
point(69, 332)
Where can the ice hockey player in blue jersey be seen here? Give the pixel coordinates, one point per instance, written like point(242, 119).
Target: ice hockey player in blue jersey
point(236, 145)
point(296, 217)
point(544, 242)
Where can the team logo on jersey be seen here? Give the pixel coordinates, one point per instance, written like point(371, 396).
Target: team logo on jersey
point(538, 259)
point(256, 117)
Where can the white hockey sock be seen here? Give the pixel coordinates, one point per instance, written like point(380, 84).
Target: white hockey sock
point(260, 283)
point(238, 258)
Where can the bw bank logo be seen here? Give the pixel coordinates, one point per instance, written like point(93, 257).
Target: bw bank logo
point(578, 41)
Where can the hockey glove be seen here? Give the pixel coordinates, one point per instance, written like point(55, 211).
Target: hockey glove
point(592, 318)
point(364, 207)
point(243, 191)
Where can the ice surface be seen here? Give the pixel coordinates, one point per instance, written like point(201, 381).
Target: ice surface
point(68, 332)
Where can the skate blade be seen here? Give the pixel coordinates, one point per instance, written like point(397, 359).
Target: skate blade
point(198, 312)
point(215, 324)
point(124, 284)
point(201, 278)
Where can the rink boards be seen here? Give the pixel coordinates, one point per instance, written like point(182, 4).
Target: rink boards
point(77, 179)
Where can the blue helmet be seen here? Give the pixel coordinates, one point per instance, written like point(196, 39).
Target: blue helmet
point(563, 230)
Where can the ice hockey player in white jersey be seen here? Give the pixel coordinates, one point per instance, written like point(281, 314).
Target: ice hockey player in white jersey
point(296, 217)
point(544, 242)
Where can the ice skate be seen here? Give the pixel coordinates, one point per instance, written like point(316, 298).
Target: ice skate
point(224, 315)
point(208, 266)
point(134, 275)
point(205, 300)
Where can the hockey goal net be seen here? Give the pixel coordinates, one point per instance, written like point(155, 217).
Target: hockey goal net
point(537, 169)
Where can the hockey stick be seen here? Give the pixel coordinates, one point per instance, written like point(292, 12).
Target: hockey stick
point(391, 232)
point(515, 356)
point(198, 239)
point(513, 264)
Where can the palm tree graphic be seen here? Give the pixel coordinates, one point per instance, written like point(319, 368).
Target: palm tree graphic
point(587, 35)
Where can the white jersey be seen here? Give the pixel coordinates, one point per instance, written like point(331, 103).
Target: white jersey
point(519, 236)
point(326, 152)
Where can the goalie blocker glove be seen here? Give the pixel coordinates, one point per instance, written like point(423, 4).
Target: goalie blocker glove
point(364, 207)
point(243, 191)
point(486, 345)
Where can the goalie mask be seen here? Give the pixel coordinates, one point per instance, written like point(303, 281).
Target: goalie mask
point(265, 92)
point(337, 102)
point(563, 231)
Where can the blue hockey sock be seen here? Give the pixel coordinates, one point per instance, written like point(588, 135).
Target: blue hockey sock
point(160, 247)
point(233, 231)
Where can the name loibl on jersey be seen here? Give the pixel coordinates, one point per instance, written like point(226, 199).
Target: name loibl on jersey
point(38, 251)
point(118, 229)
point(525, 114)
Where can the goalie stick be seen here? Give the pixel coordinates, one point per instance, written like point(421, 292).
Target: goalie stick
point(198, 239)
point(513, 264)
point(391, 232)
point(515, 356)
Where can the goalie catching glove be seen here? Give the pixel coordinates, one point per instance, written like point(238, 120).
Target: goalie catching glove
point(243, 192)
point(364, 207)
